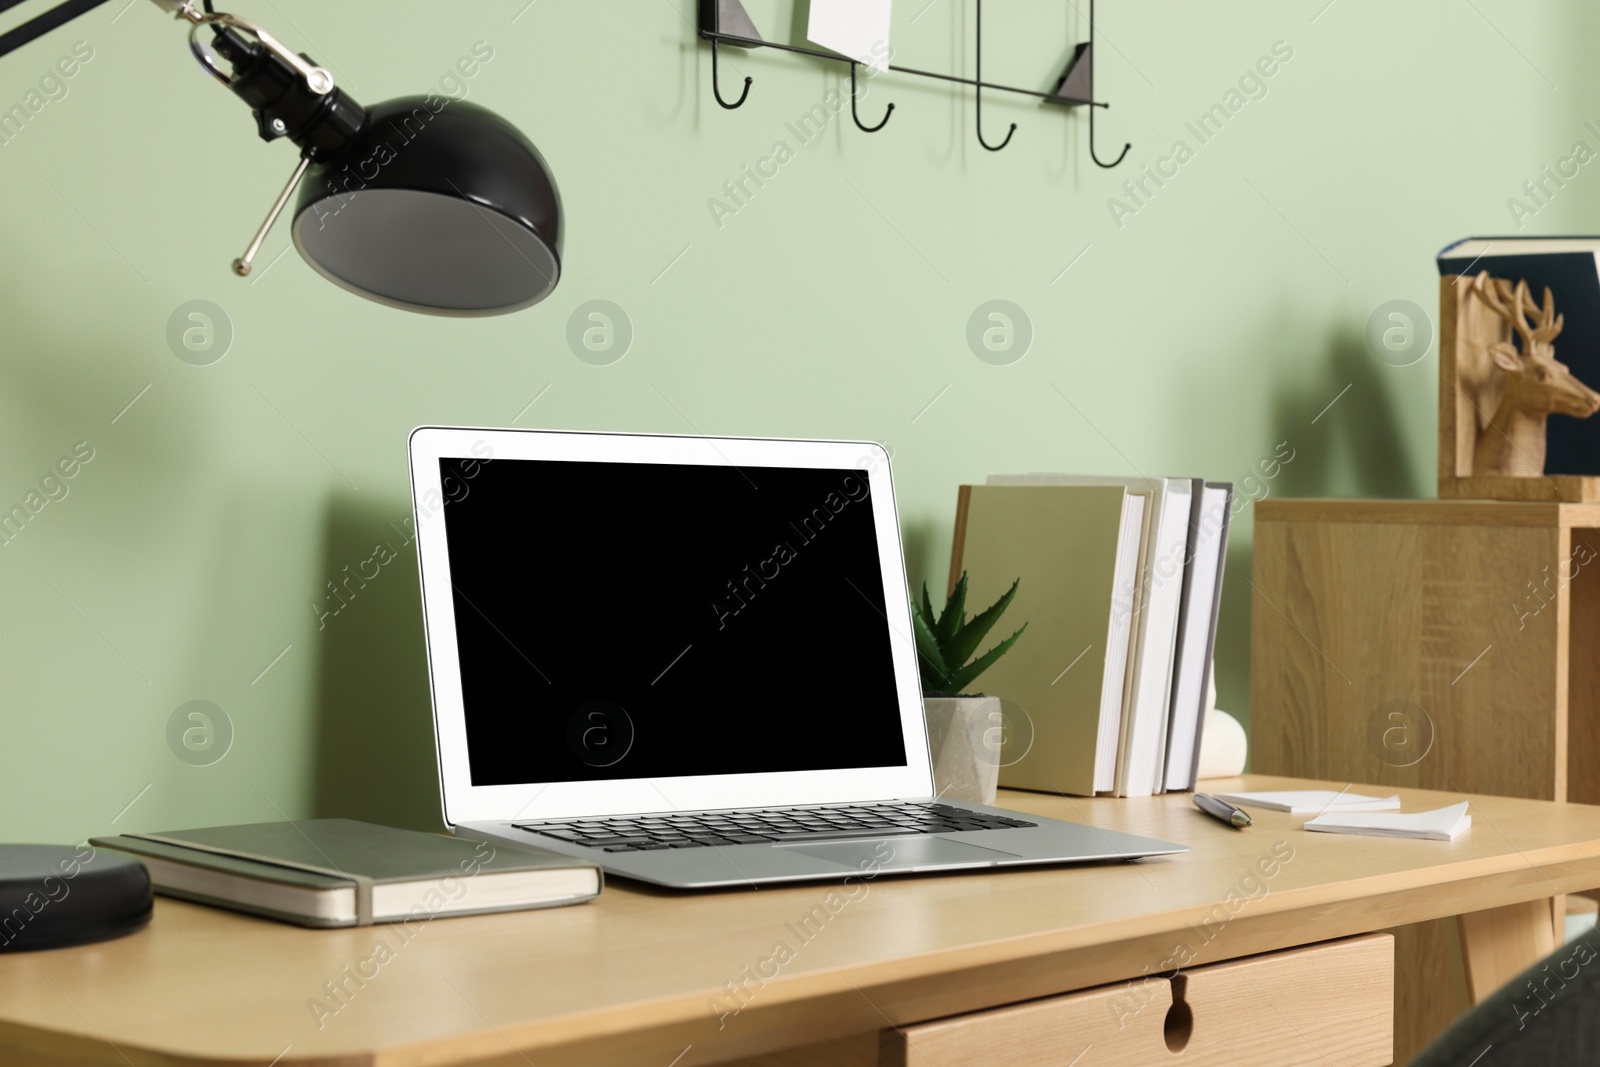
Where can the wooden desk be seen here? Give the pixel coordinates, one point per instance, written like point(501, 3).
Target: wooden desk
point(639, 976)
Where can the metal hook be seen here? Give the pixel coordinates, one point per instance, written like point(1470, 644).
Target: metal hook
point(1092, 153)
point(977, 93)
point(716, 84)
point(857, 116)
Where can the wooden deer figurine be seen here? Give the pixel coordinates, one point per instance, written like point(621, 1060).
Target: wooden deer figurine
point(1536, 384)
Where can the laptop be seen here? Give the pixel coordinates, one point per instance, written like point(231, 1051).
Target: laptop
point(689, 660)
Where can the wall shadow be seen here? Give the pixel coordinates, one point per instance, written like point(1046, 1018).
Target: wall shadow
point(1354, 448)
point(374, 751)
point(918, 538)
point(1230, 661)
point(1358, 451)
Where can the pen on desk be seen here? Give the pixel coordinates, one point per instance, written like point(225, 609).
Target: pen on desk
point(1221, 809)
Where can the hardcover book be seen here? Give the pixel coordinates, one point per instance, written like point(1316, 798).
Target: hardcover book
point(1519, 347)
point(1075, 551)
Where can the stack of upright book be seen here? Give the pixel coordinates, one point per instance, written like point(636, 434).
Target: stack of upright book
point(1121, 580)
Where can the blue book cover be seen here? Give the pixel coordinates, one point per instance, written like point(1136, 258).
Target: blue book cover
point(1570, 267)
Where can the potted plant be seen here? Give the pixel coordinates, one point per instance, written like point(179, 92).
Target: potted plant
point(964, 729)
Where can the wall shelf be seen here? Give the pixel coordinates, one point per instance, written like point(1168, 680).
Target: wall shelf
point(725, 22)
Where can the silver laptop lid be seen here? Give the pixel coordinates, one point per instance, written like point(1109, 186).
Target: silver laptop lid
point(626, 623)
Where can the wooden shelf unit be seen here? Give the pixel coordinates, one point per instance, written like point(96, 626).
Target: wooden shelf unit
point(1459, 608)
point(1441, 644)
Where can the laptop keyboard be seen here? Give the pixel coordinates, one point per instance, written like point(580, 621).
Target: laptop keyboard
point(640, 833)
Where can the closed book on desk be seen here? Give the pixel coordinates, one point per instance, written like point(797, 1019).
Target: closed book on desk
point(340, 872)
point(1197, 629)
point(1141, 755)
point(1075, 550)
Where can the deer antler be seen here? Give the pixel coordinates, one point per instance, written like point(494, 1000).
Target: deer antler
point(1496, 291)
point(1550, 323)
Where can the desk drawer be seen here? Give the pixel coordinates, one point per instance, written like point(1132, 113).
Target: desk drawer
point(1329, 1005)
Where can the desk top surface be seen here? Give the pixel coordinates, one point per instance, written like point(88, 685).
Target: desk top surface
point(644, 973)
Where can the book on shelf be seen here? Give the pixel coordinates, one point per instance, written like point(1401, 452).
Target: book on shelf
point(340, 872)
point(1076, 551)
point(1524, 312)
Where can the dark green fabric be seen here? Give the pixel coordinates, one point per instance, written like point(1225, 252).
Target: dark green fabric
point(1547, 1016)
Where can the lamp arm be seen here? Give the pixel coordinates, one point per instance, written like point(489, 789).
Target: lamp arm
point(40, 25)
point(291, 96)
point(64, 13)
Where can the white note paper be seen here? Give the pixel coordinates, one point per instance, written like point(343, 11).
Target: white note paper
point(1305, 801)
point(1442, 824)
point(855, 28)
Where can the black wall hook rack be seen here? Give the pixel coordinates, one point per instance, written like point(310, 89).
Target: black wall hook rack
point(727, 22)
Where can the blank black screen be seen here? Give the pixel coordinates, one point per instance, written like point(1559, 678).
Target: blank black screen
point(631, 620)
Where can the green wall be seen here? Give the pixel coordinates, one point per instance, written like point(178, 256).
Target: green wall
point(1215, 322)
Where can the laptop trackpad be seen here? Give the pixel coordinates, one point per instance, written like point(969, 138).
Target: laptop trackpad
point(900, 853)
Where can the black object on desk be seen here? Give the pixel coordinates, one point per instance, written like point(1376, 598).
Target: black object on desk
point(52, 896)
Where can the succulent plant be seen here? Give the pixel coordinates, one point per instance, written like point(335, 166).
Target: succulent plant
point(945, 644)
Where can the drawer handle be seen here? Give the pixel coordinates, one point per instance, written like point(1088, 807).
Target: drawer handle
point(1178, 1026)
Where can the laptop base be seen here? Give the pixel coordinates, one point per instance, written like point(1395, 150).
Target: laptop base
point(1047, 841)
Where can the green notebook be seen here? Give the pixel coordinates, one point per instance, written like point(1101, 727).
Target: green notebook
point(340, 872)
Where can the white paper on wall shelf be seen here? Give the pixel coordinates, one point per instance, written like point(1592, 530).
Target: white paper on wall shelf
point(855, 28)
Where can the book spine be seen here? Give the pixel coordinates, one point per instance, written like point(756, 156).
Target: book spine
point(1211, 640)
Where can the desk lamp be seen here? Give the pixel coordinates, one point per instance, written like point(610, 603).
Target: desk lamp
point(423, 202)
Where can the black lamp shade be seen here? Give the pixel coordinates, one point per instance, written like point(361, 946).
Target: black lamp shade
point(438, 206)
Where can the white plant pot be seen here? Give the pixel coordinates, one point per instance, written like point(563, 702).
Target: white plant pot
point(964, 740)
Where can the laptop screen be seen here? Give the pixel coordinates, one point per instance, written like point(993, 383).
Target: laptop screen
point(637, 620)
